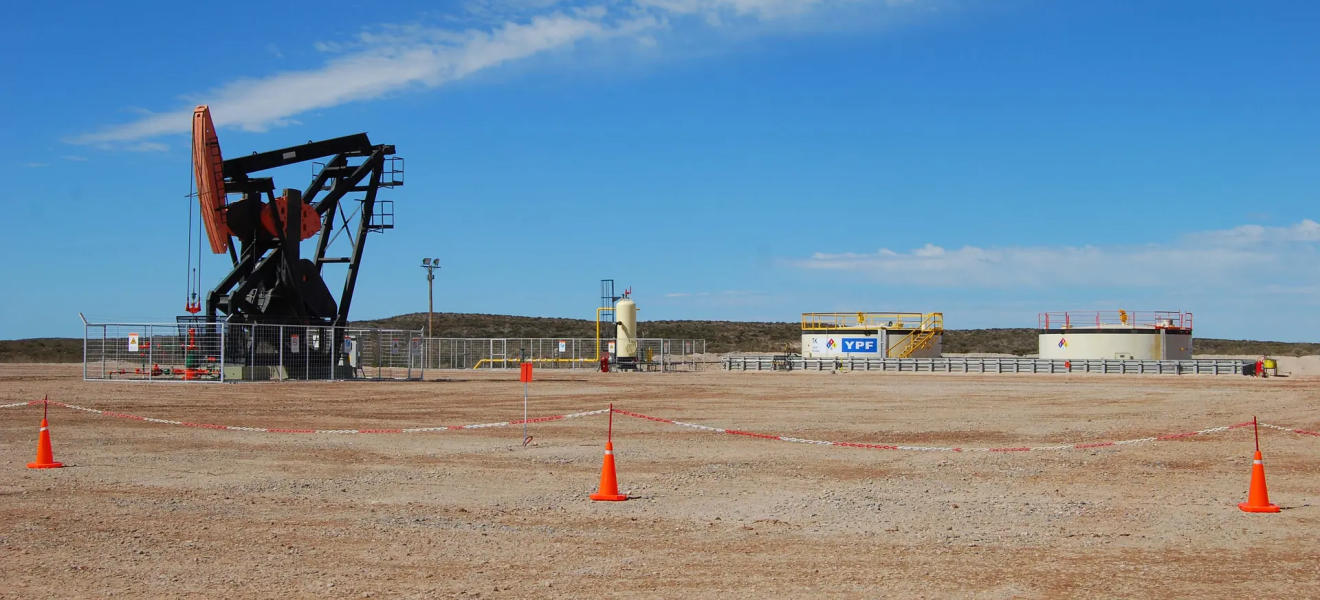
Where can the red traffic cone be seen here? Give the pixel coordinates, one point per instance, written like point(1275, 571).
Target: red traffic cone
point(45, 457)
point(609, 481)
point(1258, 498)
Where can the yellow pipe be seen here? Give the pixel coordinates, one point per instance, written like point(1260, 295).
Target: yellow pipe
point(533, 360)
point(598, 329)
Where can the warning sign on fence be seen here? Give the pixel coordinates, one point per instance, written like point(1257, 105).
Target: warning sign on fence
point(293, 344)
point(132, 342)
point(563, 346)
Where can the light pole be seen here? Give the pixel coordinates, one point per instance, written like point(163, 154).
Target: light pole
point(430, 264)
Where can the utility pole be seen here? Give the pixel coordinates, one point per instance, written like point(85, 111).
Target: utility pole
point(430, 264)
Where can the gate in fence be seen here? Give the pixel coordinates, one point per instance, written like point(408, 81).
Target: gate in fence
point(200, 351)
point(556, 353)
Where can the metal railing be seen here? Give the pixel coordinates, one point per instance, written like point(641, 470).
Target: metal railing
point(221, 351)
point(958, 364)
point(555, 353)
point(1155, 319)
point(871, 320)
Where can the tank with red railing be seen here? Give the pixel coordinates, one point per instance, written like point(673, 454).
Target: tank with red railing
point(1115, 319)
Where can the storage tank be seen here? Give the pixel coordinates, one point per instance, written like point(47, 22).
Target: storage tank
point(625, 311)
point(1116, 335)
point(873, 335)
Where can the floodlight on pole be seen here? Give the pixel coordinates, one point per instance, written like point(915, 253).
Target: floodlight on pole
point(430, 264)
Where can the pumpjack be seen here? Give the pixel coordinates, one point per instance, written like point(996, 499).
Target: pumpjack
point(271, 282)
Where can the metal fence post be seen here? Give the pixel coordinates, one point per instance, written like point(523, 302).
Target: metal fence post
point(151, 353)
point(281, 343)
point(223, 346)
point(84, 320)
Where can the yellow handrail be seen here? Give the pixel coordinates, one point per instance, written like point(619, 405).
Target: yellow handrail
point(868, 320)
point(530, 360)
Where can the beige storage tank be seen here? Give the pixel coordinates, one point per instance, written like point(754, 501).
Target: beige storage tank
point(1116, 335)
point(626, 331)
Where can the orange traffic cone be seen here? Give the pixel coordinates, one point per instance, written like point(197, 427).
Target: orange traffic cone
point(45, 457)
point(609, 481)
point(1258, 498)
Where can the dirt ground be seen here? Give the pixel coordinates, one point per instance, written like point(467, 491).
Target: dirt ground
point(147, 510)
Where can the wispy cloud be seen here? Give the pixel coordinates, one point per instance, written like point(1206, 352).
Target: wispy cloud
point(397, 58)
point(1281, 256)
point(146, 147)
point(74, 157)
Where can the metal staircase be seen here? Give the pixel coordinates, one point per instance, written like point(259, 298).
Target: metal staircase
point(921, 338)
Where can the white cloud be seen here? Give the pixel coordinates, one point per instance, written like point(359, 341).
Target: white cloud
point(74, 157)
point(1247, 255)
point(765, 8)
point(395, 58)
point(390, 62)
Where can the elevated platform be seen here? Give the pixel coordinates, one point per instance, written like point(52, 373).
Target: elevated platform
point(871, 321)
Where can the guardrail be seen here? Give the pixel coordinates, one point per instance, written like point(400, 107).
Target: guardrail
point(986, 365)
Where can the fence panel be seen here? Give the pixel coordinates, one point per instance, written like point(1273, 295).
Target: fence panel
point(149, 352)
point(201, 351)
point(555, 353)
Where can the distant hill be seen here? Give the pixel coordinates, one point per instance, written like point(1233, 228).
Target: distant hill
point(720, 336)
point(41, 350)
point(751, 336)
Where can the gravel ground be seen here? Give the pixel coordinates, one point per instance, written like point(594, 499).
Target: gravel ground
point(157, 511)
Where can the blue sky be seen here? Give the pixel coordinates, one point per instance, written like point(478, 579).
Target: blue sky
point(728, 159)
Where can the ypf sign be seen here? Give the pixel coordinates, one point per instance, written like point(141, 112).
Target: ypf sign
point(861, 345)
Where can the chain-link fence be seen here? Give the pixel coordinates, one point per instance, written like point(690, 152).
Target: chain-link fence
point(200, 351)
point(557, 353)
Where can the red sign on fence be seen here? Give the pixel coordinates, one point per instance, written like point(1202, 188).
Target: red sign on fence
point(525, 373)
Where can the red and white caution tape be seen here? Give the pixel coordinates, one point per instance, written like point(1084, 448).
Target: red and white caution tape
point(1075, 446)
point(1291, 430)
point(106, 413)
